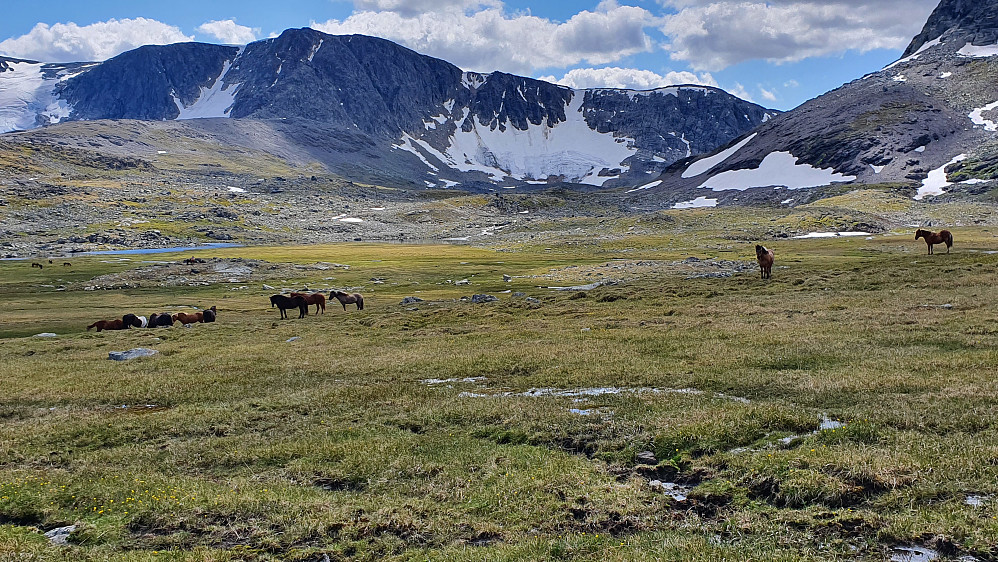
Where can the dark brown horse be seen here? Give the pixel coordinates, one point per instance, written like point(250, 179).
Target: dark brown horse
point(160, 320)
point(287, 303)
point(346, 299)
point(318, 299)
point(116, 324)
point(135, 321)
point(765, 257)
point(36, 264)
point(932, 238)
point(210, 314)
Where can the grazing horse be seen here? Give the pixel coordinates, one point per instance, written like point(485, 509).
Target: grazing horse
point(931, 238)
point(160, 320)
point(36, 264)
point(135, 321)
point(287, 303)
point(346, 299)
point(318, 299)
point(116, 324)
point(765, 258)
point(67, 264)
point(185, 318)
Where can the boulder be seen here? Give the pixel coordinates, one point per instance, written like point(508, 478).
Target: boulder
point(131, 354)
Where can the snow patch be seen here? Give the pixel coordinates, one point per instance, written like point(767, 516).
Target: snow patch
point(25, 94)
point(877, 169)
point(945, 75)
point(977, 116)
point(777, 169)
point(646, 186)
point(915, 55)
point(936, 183)
point(699, 202)
point(707, 164)
point(215, 101)
point(969, 50)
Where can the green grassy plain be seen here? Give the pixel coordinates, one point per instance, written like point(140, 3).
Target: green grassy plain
point(236, 444)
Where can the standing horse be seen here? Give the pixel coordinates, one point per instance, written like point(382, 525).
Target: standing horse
point(765, 257)
point(210, 314)
point(318, 299)
point(36, 264)
point(287, 303)
point(931, 238)
point(346, 299)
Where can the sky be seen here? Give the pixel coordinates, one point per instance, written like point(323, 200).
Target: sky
point(777, 53)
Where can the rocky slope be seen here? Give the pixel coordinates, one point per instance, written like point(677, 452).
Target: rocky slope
point(930, 114)
point(423, 119)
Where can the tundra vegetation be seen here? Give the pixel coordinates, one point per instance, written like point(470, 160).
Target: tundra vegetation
point(842, 409)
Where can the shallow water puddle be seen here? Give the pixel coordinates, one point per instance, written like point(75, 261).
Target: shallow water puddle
point(449, 381)
point(913, 554)
point(675, 491)
point(976, 500)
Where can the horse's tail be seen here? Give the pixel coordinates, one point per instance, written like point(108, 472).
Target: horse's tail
point(360, 302)
point(91, 326)
point(949, 239)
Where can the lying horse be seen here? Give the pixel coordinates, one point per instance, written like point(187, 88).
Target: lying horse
point(765, 257)
point(160, 320)
point(931, 238)
point(135, 321)
point(210, 315)
point(318, 299)
point(116, 324)
point(185, 318)
point(287, 303)
point(346, 299)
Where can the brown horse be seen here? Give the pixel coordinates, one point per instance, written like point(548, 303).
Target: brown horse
point(931, 238)
point(185, 318)
point(318, 299)
point(116, 324)
point(765, 257)
point(36, 264)
point(346, 299)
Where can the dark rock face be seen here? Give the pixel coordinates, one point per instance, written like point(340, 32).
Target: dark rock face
point(974, 20)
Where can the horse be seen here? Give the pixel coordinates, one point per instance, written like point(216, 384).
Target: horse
point(160, 320)
point(318, 299)
point(943, 236)
point(185, 318)
point(116, 324)
point(67, 264)
point(135, 321)
point(36, 264)
point(765, 257)
point(210, 314)
point(346, 299)
point(286, 303)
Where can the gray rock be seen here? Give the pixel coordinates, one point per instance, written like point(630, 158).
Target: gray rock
point(46, 335)
point(131, 354)
point(480, 299)
point(507, 278)
point(519, 294)
point(268, 287)
point(410, 300)
point(531, 300)
point(646, 457)
point(60, 536)
point(289, 340)
point(462, 282)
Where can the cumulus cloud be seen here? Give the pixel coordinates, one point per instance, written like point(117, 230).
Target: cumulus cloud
point(490, 39)
point(767, 95)
point(69, 42)
point(716, 34)
point(630, 78)
point(229, 32)
point(740, 91)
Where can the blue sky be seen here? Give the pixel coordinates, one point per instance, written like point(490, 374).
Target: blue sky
point(778, 53)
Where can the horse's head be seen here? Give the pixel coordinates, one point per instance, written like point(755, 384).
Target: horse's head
point(920, 233)
point(760, 250)
point(273, 300)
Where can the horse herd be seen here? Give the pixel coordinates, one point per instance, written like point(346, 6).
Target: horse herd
point(302, 301)
point(765, 256)
point(157, 320)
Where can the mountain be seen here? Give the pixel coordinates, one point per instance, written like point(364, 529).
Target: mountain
point(927, 121)
point(420, 118)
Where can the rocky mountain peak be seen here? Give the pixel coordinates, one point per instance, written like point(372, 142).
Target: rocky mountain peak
point(974, 20)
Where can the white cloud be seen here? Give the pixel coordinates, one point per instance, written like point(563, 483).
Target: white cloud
point(767, 95)
point(716, 34)
point(68, 42)
point(229, 32)
point(631, 78)
point(791, 84)
point(490, 39)
point(740, 91)
point(410, 8)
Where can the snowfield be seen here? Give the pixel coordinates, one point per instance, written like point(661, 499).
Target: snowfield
point(778, 169)
point(25, 93)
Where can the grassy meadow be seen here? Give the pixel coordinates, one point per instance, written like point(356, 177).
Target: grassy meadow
point(844, 408)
